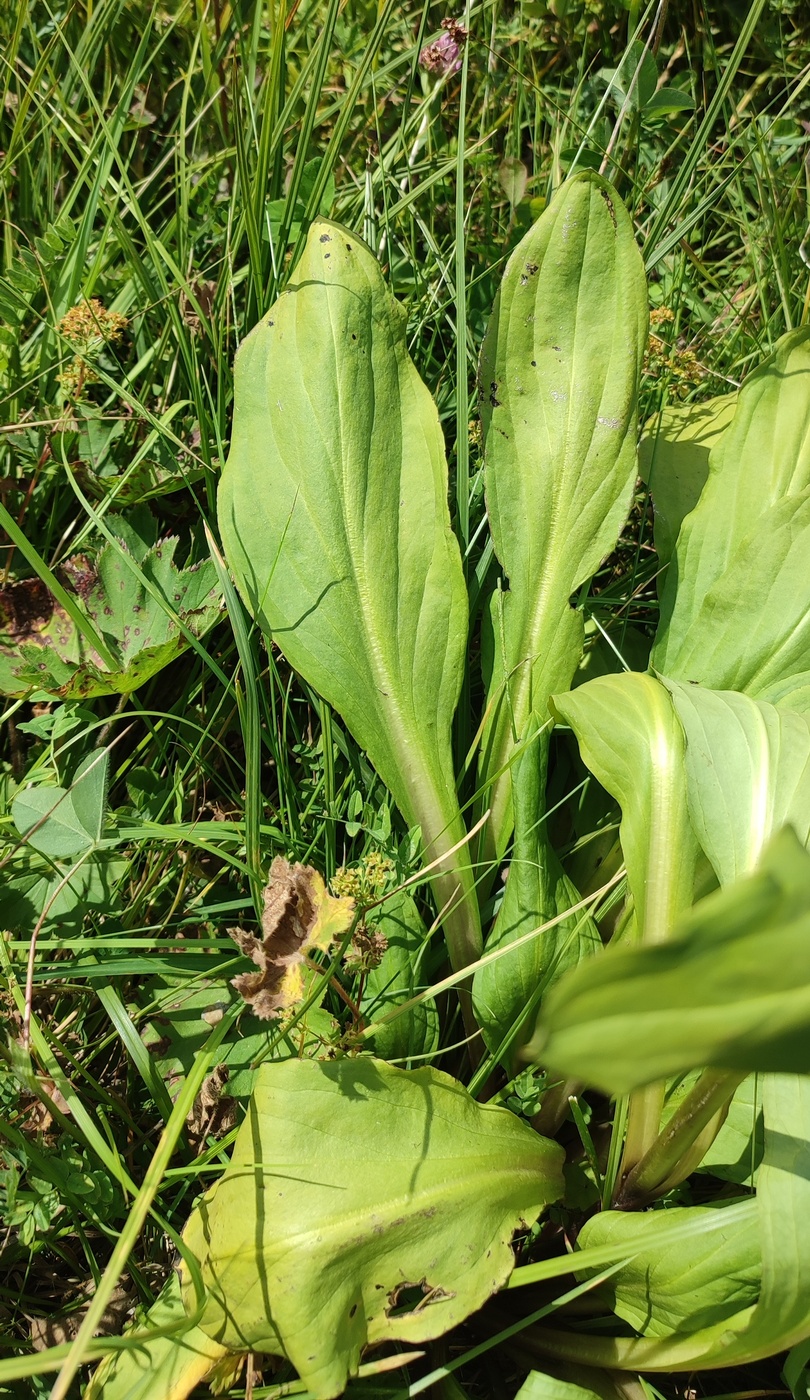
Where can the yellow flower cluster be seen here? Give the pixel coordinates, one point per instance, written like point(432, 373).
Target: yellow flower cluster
point(87, 327)
point(366, 881)
point(681, 366)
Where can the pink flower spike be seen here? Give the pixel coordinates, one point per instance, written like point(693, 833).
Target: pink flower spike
point(443, 56)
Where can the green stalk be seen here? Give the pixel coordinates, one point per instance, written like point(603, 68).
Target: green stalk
point(670, 1159)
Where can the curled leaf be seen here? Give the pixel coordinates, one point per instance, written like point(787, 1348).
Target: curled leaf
point(299, 916)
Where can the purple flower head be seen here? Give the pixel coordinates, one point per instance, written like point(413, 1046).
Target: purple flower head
point(443, 56)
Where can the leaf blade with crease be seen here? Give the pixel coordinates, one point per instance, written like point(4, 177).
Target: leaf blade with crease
point(558, 378)
point(334, 518)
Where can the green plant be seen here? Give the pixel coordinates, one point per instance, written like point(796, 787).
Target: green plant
point(166, 167)
point(334, 519)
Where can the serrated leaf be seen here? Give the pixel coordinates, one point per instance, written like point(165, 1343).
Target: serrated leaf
point(334, 517)
point(558, 378)
point(337, 1224)
point(41, 647)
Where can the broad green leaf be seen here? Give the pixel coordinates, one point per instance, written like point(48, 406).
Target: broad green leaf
point(685, 1286)
point(513, 177)
point(34, 885)
point(667, 100)
point(751, 631)
point(631, 740)
point(363, 1204)
point(169, 1360)
point(730, 989)
point(735, 603)
point(401, 974)
point(558, 379)
point(673, 460)
point(781, 1316)
point(537, 890)
point(540, 1386)
point(635, 78)
point(88, 792)
point(62, 822)
point(334, 517)
point(41, 647)
point(747, 774)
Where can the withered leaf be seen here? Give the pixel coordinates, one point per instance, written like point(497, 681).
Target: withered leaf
point(213, 1112)
point(299, 916)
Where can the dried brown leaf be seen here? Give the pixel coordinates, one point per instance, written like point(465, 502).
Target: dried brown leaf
point(299, 916)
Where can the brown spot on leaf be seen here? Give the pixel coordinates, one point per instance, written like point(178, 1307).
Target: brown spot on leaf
point(609, 202)
point(299, 916)
point(25, 608)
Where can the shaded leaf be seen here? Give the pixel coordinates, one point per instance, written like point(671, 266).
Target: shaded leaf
point(730, 989)
point(558, 379)
point(61, 822)
point(736, 1152)
point(684, 1286)
point(667, 100)
point(183, 1012)
point(513, 177)
point(401, 974)
point(780, 1317)
point(673, 460)
point(537, 890)
point(34, 884)
point(338, 1225)
point(300, 916)
point(169, 1361)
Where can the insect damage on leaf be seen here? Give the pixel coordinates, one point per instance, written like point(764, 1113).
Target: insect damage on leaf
point(134, 597)
point(299, 916)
